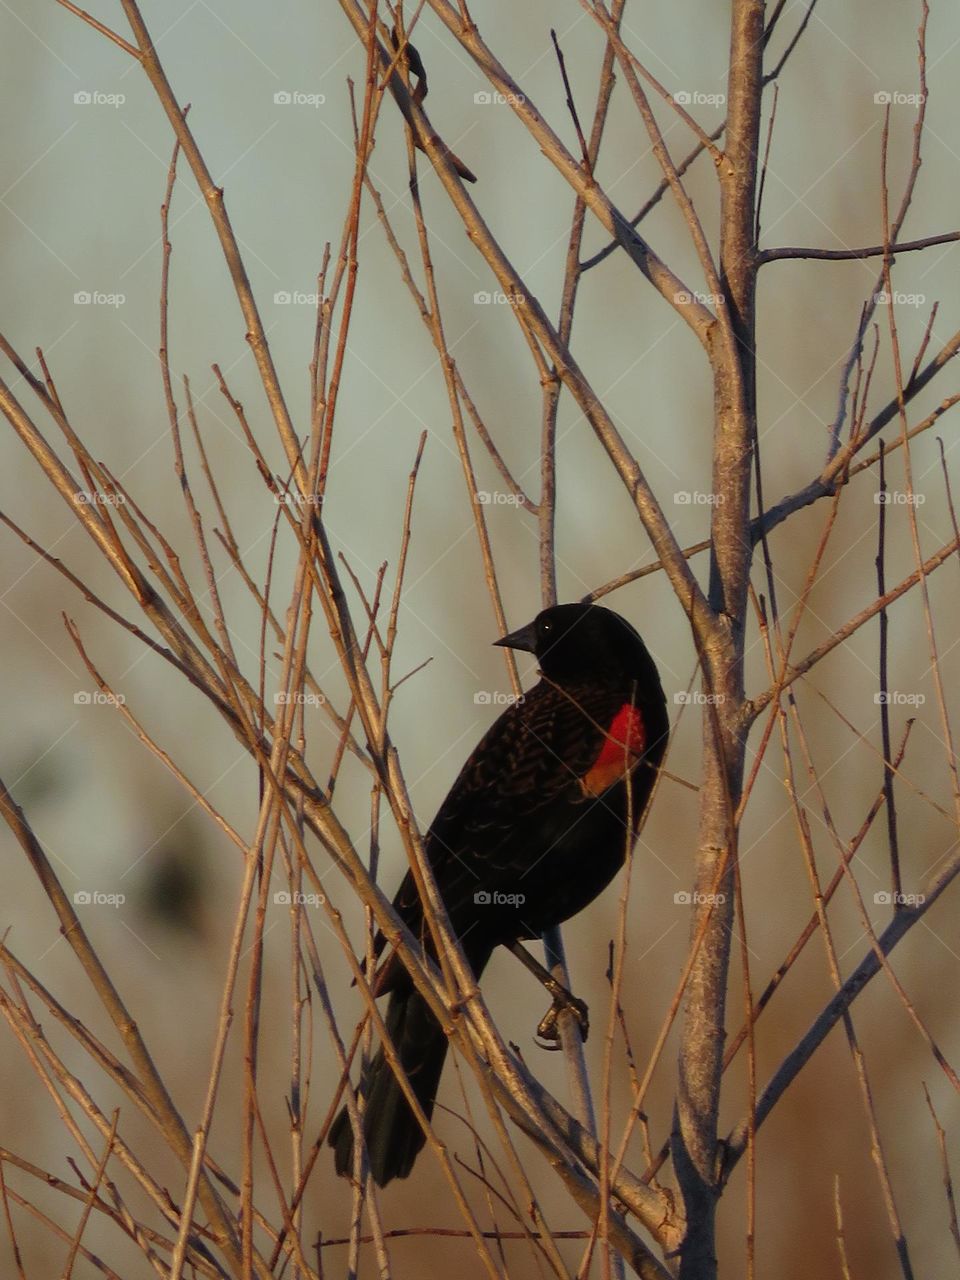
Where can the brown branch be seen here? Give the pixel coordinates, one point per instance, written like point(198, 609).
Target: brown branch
point(99, 26)
point(947, 1178)
point(902, 922)
point(772, 75)
point(534, 321)
point(571, 1037)
point(855, 623)
point(457, 1233)
point(813, 922)
point(173, 1126)
point(213, 197)
point(650, 204)
point(832, 476)
point(844, 255)
point(91, 1199)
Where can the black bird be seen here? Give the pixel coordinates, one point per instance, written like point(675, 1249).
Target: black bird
point(536, 825)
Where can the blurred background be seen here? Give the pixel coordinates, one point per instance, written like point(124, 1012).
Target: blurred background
point(85, 156)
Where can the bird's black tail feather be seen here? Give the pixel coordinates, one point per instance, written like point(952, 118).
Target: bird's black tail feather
point(391, 1130)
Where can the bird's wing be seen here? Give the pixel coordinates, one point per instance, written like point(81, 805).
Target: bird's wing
point(538, 751)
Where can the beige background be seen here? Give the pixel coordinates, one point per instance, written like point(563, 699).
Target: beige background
point(80, 189)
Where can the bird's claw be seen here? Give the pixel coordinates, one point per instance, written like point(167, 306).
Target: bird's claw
point(548, 1029)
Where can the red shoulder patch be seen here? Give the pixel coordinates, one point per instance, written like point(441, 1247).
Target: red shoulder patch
point(623, 745)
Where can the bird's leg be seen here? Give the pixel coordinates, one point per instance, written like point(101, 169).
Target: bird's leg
point(562, 999)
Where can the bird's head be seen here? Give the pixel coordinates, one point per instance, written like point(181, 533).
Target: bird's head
point(574, 640)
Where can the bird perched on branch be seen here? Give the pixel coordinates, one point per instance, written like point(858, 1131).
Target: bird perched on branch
point(536, 825)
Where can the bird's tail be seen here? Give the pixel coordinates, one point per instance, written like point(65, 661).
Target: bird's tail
point(391, 1130)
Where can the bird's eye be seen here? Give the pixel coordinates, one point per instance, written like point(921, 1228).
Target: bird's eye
point(546, 626)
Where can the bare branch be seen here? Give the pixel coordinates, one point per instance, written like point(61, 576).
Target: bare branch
point(846, 255)
point(901, 924)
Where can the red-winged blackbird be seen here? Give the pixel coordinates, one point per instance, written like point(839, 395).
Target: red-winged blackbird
point(535, 826)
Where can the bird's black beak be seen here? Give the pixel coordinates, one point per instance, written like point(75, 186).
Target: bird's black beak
point(524, 639)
